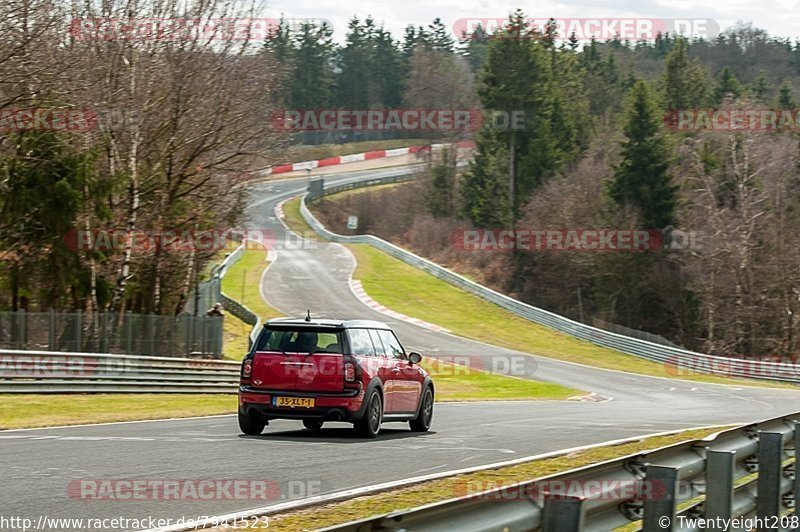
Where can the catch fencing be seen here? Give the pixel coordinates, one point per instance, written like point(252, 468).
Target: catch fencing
point(112, 332)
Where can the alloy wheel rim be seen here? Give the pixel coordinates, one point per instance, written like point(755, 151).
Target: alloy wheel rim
point(375, 414)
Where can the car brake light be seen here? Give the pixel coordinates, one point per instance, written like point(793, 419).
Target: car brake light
point(349, 372)
point(247, 368)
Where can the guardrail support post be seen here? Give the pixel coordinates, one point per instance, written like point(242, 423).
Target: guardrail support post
point(562, 513)
point(796, 425)
point(770, 457)
point(659, 511)
point(719, 484)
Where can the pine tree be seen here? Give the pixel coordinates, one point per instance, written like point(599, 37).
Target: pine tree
point(311, 83)
point(409, 41)
point(785, 98)
point(642, 178)
point(517, 78)
point(476, 48)
point(279, 42)
point(727, 86)
point(354, 89)
point(388, 70)
point(572, 42)
point(685, 82)
point(440, 38)
point(760, 88)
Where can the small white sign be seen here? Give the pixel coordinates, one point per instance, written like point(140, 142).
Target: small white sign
point(352, 222)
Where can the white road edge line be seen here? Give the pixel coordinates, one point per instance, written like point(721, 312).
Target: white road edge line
point(2, 431)
point(367, 490)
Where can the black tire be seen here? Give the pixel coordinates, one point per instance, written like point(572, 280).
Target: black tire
point(312, 424)
point(370, 424)
point(249, 425)
point(422, 422)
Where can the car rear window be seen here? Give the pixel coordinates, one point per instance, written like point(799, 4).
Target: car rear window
point(300, 340)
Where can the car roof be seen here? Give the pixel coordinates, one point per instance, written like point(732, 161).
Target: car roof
point(324, 322)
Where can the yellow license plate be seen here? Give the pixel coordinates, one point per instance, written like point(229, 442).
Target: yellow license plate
point(295, 402)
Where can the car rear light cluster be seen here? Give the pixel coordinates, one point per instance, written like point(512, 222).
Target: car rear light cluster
point(349, 372)
point(352, 372)
point(247, 370)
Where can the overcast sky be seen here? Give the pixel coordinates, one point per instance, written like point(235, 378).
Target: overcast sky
point(778, 17)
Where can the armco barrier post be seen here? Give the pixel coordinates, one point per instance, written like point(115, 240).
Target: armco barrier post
point(770, 473)
point(660, 511)
point(719, 484)
point(562, 513)
point(796, 425)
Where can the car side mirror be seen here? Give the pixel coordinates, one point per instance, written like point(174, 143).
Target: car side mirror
point(414, 358)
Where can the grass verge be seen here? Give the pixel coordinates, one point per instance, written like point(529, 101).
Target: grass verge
point(242, 283)
point(447, 488)
point(296, 222)
point(459, 383)
point(413, 292)
point(29, 411)
point(406, 289)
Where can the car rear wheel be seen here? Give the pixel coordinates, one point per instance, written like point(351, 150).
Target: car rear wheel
point(312, 424)
point(370, 424)
point(422, 422)
point(250, 425)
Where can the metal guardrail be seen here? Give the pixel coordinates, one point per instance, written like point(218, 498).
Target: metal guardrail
point(60, 372)
point(745, 473)
point(674, 358)
point(231, 305)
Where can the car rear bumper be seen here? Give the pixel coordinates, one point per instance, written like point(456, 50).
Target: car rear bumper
point(327, 407)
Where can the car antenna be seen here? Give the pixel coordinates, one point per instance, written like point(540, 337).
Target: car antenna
point(308, 314)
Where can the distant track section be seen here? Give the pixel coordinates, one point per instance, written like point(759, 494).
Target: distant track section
point(355, 157)
point(60, 372)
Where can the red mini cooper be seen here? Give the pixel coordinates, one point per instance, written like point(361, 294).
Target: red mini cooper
point(322, 370)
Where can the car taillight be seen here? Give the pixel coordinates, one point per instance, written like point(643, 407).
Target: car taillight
point(349, 372)
point(247, 369)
